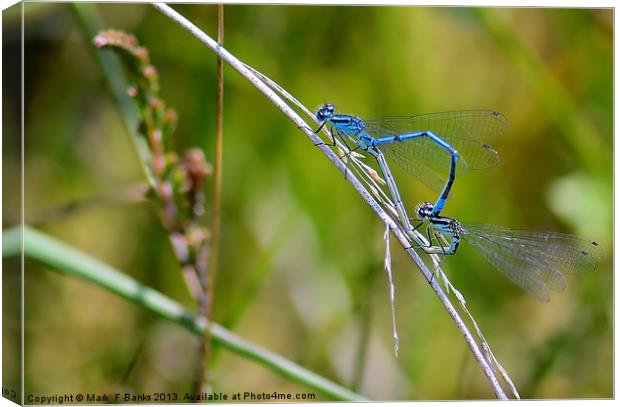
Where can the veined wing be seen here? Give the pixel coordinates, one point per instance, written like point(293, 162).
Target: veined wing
point(426, 160)
point(467, 131)
point(431, 171)
point(533, 260)
point(478, 124)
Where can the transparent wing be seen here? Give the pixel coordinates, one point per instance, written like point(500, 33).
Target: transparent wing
point(478, 124)
point(432, 171)
point(534, 260)
point(466, 131)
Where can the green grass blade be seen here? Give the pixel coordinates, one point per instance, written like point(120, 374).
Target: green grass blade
point(59, 256)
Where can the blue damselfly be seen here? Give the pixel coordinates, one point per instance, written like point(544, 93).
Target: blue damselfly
point(424, 145)
point(533, 260)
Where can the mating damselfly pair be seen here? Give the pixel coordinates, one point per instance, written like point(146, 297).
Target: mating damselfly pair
point(426, 146)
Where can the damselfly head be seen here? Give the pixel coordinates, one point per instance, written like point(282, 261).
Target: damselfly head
point(325, 112)
point(424, 210)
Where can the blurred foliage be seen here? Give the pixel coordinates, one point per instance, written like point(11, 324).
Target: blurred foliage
point(301, 274)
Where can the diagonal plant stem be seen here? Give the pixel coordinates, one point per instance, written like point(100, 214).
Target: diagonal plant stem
point(64, 258)
point(250, 75)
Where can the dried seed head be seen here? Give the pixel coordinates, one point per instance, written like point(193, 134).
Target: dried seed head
point(170, 116)
point(196, 165)
point(142, 54)
point(156, 103)
point(156, 137)
point(132, 91)
point(197, 236)
point(149, 72)
point(117, 39)
point(165, 191)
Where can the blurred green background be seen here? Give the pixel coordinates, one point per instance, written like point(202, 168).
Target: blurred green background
point(301, 271)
